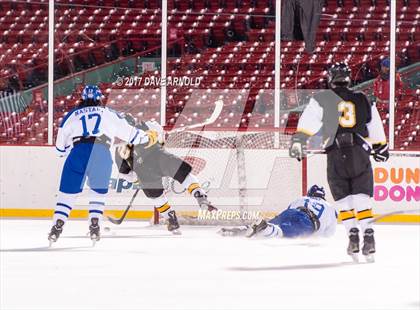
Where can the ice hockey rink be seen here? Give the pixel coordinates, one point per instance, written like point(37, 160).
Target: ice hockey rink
point(136, 266)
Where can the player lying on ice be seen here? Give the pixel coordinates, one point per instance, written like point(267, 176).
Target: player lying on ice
point(310, 215)
point(84, 137)
point(149, 166)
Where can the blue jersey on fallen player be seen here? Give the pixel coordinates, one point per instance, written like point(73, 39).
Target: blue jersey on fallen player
point(84, 137)
point(310, 215)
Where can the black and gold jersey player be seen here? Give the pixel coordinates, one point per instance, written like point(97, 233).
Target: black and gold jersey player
point(149, 165)
point(351, 128)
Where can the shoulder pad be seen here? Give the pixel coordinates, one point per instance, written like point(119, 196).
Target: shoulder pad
point(66, 117)
point(363, 96)
point(119, 114)
point(326, 97)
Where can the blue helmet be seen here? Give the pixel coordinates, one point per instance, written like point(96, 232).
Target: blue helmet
point(92, 92)
point(316, 191)
point(385, 63)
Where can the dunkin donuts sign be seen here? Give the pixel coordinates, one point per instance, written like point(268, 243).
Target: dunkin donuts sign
point(397, 184)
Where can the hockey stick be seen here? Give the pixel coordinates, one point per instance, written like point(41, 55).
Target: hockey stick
point(322, 152)
point(121, 219)
point(393, 213)
point(213, 117)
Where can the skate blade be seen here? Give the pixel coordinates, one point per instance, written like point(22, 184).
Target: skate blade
point(225, 232)
point(370, 258)
point(176, 232)
point(94, 239)
point(355, 257)
point(250, 232)
point(51, 241)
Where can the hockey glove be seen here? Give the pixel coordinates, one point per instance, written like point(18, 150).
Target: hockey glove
point(298, 146)
point(153, 138)
point(153, 125)
point(380, 152)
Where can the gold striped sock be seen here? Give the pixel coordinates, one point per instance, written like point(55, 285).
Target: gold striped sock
point(192, 187)
point(347, 214)
point(364, 214)
point(163, 208)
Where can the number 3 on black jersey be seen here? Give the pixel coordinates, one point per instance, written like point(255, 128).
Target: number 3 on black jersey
point(348, 116)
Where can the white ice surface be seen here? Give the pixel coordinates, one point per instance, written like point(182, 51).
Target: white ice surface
point(135, 267)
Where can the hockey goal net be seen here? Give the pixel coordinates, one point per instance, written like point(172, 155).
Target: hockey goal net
point(245, 173)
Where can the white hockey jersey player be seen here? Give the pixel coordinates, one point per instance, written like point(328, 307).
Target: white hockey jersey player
point(85, 135)
point(325, 213)
point(96, 121)
point(310, 215)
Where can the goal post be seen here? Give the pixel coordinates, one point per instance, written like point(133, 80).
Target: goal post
point(244, 172)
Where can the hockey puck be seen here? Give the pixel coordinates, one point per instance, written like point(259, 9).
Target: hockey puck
point(107, 229)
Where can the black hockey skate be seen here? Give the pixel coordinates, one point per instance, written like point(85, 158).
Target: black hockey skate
point(173, 224)
point(353, 247)
point(203, 202)
point(256, 227)
point(94, 230)
point(56, 231)
point(368, 248)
